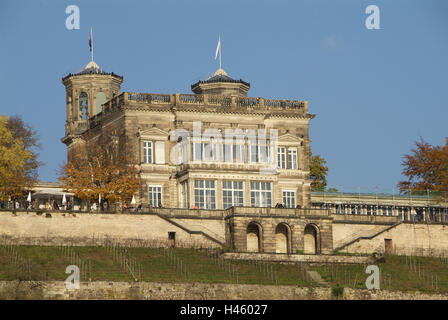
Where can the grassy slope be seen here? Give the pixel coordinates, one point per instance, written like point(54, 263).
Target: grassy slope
point(158, 265)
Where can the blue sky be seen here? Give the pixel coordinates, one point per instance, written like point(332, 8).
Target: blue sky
point(374, 92)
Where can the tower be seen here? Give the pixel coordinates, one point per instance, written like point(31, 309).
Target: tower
point(86, 91)
point(221, 84)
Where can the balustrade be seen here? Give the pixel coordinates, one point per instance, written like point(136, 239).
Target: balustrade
point(198, 99)
point(191, 99)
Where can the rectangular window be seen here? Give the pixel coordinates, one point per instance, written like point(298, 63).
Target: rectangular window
point(226, 152)
point(205, 194)
point(210, 151)
point(264, 150)
point(147, 152)
point(155, 196)
point(260, 194)
point(281, 157)
point(289, 199)
point(197, 151)
point(292, 159)
point(184, 194)
point(253, 150)
point(232, 194)
point(238, 150)
point(184, 152)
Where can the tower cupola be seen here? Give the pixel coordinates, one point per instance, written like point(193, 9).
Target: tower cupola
point(221, 84)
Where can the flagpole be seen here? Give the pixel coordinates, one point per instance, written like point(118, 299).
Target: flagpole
point(91, 39)
point(220, 52)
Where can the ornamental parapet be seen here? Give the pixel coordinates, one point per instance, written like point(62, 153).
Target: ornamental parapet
point(185, 101)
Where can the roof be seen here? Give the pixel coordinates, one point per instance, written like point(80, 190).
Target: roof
point(92, 68)
point(220, 76)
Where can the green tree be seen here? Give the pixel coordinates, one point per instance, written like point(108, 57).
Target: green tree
point(14, 158)
point(318, 172)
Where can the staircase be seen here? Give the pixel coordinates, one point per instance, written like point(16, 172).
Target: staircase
point(357, 236)
point(188, 228)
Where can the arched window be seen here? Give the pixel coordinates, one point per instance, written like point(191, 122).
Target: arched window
point(83, 106)
point(100, 99)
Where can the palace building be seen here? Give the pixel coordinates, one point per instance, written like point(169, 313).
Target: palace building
point(226, 169)
point(234, 150)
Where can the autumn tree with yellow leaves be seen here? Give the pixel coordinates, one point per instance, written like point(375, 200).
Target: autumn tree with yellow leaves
point(98, 169)
point(18, 159)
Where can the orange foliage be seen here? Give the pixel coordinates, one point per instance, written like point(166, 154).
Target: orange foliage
point(426, 168)
point(98, 169)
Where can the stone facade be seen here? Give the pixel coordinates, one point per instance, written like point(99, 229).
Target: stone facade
point(235, 151)
point(147, 126)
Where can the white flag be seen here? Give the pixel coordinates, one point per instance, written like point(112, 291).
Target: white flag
point(218, 47)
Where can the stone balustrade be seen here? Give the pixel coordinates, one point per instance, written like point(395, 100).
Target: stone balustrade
point(179, 100)
point(178, 212)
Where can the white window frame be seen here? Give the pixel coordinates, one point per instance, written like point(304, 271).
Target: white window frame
point(264, 151)
point(253, 151)
point(259, 194)
point(145, 153)
point(197, 154)
point(235, 193)
point(210, 151)
point(292, 158)
point(159, 204)
point(224, 151)
point(185, 194)
point(239, 151)
point(286, 195)
point(281, 157)
point(209, 194)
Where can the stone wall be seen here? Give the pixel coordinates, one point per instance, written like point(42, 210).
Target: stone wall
point(308, 258)
point(211, 229)
point(55, 228)
point(407, 238)
point(348, 231)
point(191, 291)
point(359, 294)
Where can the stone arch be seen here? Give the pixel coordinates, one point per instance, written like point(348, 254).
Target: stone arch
point(254, 236)
point(283, 238)
point(311, 239)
